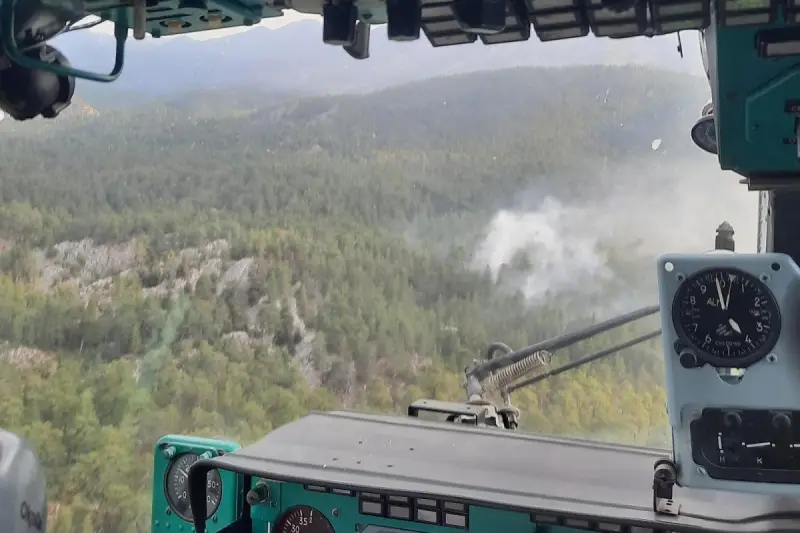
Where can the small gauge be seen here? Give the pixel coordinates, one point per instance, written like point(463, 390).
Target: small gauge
point(303, 519)
point(176, 486)
point(729, 316)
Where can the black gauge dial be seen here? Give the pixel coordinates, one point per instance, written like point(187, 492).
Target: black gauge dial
point(729, 316)
point(176, 486)
point(303, 519)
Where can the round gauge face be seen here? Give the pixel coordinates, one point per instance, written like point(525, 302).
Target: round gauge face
point(303, 519)
point(727, 315)
point(176, 486)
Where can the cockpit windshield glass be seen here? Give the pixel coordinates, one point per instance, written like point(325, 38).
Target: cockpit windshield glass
point(251, 225)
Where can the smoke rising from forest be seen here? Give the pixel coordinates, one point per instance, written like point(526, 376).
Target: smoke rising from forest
point(664, 204)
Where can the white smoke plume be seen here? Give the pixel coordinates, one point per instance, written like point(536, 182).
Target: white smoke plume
point(673, 206)
point(550, 236)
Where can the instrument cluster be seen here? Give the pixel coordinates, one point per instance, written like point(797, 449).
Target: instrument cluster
point(301, 508)
point(732, 361)
point(286, 507)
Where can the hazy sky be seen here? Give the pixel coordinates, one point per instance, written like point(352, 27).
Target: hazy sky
point(287, 18)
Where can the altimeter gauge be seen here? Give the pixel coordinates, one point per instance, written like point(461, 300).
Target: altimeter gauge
point(176, 487)
point(728, 317)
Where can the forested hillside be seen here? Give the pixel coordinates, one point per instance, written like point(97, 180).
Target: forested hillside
point(222, 272)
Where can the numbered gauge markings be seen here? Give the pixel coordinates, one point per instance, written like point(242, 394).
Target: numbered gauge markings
point(176, 486)
point(729, 317)
point(303, 519)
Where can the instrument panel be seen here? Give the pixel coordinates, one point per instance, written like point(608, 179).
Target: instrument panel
point(316, 509)
point(344, 472)
point(280, 507)
point(732, 359)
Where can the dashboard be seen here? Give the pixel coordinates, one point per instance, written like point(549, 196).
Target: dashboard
point(344, 472)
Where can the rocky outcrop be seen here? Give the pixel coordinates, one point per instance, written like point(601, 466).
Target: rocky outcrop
point(92, 270)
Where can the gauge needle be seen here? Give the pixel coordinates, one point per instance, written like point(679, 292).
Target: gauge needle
point(728, 298)
point(722, 303)
point(735, 326)
point(182, 472)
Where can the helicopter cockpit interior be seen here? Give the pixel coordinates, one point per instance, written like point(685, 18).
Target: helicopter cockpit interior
point(731, 355)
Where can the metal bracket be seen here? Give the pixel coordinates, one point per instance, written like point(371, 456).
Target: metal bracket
point(476, 413)
point(10, 48)
point(664, 479)
point(360, 47)
point(510, 416)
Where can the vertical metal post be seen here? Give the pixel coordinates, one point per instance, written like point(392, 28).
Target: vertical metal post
point(782, 223)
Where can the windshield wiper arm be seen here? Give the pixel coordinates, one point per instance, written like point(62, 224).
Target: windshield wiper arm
point(584, 360)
